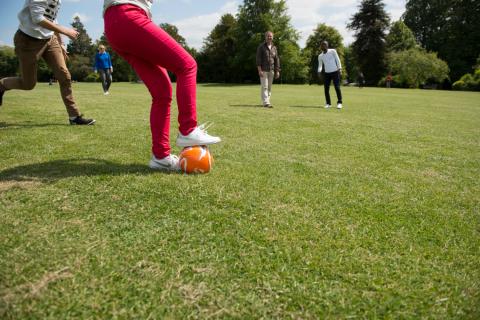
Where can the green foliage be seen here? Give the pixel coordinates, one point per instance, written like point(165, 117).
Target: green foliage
point(312, 48)
point(350, 65)
point(468, 82)
point(370, 24)
point(449, 28)
point(215, 61)
point(8, 62)
point(82, 45)
point(255, 17)
point(92, 77)
point(415, 67)
point(400, 37)
point(80, 67)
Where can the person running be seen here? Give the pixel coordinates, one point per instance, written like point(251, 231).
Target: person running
point(103, 64)
point(151, 52)
point(268, 67)
point(333, 71)
point(39, 36)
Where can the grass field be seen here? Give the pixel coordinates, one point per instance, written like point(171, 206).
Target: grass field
point(368, 212)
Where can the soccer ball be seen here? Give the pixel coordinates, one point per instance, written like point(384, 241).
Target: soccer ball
point(196, 159)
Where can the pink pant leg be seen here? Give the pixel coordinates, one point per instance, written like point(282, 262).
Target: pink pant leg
point(132, 34)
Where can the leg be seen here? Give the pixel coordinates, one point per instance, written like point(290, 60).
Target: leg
point(264, 89)
point(103, 77)
point(158, 83)
point(326, 86)
point(129, 30)
point(28, 52)
point(271, 75)
point(336, 84)
point(53, 56)
point(108, 79)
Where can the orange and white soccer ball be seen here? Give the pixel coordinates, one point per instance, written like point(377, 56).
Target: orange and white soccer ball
point(196, 159)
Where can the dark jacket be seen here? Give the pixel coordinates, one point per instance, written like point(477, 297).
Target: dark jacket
point(268, 59)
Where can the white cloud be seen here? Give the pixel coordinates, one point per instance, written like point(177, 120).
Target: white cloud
point(196, 29)
point(83, 17)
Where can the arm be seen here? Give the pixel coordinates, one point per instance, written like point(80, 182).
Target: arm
point(320, 64)
point(277, 64)
point(259, 61)
point(337, 60)
point(69, 32)
point(110, 62)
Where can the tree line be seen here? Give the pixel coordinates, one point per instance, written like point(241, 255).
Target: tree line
point(435, 43)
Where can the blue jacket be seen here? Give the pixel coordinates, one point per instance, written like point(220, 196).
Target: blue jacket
point(102, 61)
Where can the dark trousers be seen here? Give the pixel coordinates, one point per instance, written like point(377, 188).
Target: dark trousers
point(106, 77)
point(335, 76)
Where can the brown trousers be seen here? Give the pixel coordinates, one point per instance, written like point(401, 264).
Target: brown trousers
point(29, 50)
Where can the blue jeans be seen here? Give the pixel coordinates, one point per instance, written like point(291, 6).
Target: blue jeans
point(106, 77)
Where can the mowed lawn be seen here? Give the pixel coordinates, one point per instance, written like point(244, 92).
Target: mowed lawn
point(368, 212)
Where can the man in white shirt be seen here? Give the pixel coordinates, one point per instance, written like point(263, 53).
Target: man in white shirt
point(38, 36)
point(330, 62)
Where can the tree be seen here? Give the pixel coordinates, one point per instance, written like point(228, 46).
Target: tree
point(449, 28)
point(122, 71)
point(370, 24)
point(8, 62)
point(312, 48)
point(416, 67)
point(172, 30)
point(255, 17)
point(400, 37)
point(82, 45)
point(215, 59)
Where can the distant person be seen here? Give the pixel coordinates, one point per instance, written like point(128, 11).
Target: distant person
point(103, 65)
point(39, 36)
point(388, 80)
point(268, 67)
point(361, 80)
point(151, 52)
point(329, 61)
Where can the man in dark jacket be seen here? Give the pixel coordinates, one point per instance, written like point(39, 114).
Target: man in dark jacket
point(268, 66)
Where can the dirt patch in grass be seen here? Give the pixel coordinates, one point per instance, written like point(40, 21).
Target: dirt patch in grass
point(11, 184)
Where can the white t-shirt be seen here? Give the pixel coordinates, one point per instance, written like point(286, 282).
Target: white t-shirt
point(34, 12)
point(331, 61)
point(144, 4)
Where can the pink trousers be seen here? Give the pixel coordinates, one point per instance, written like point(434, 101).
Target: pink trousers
point(151, 52)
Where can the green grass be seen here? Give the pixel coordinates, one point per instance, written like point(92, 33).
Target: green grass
point(368, 212)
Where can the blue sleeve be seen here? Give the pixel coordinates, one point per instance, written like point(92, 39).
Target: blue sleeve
point(109, 61)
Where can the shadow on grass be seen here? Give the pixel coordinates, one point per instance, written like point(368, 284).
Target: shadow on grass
point(4, 125)
point(60, 169)
point(246, 105)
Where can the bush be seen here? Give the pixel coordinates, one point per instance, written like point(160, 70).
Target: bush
point(92, 77)
point(468, 82)
point(459, 85)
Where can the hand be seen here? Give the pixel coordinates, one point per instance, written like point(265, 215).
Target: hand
point(111, 70)
point(260, 74)
point(70, 32)
point(340, 72)
point(277, 75)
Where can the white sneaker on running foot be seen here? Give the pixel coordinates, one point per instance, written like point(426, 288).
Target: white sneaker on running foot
point(198, 137)
point(327, 106)
point(169, 163)
point(339, 106)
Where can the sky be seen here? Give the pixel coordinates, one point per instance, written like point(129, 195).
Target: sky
point(196, 18)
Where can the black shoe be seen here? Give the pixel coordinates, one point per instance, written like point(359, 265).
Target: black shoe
point(80, 120)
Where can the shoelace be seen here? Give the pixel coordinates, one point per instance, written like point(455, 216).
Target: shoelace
point(204, 126)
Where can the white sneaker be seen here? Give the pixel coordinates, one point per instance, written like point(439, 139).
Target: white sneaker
point(106, 93)
point(339, 106)
point(327, 106)
point(169, 163)
point(198, 137)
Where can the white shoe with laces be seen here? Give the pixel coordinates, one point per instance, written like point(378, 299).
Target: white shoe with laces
point(327, 106)
point(339, 106)
point(169, 163)
point(198, 137)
